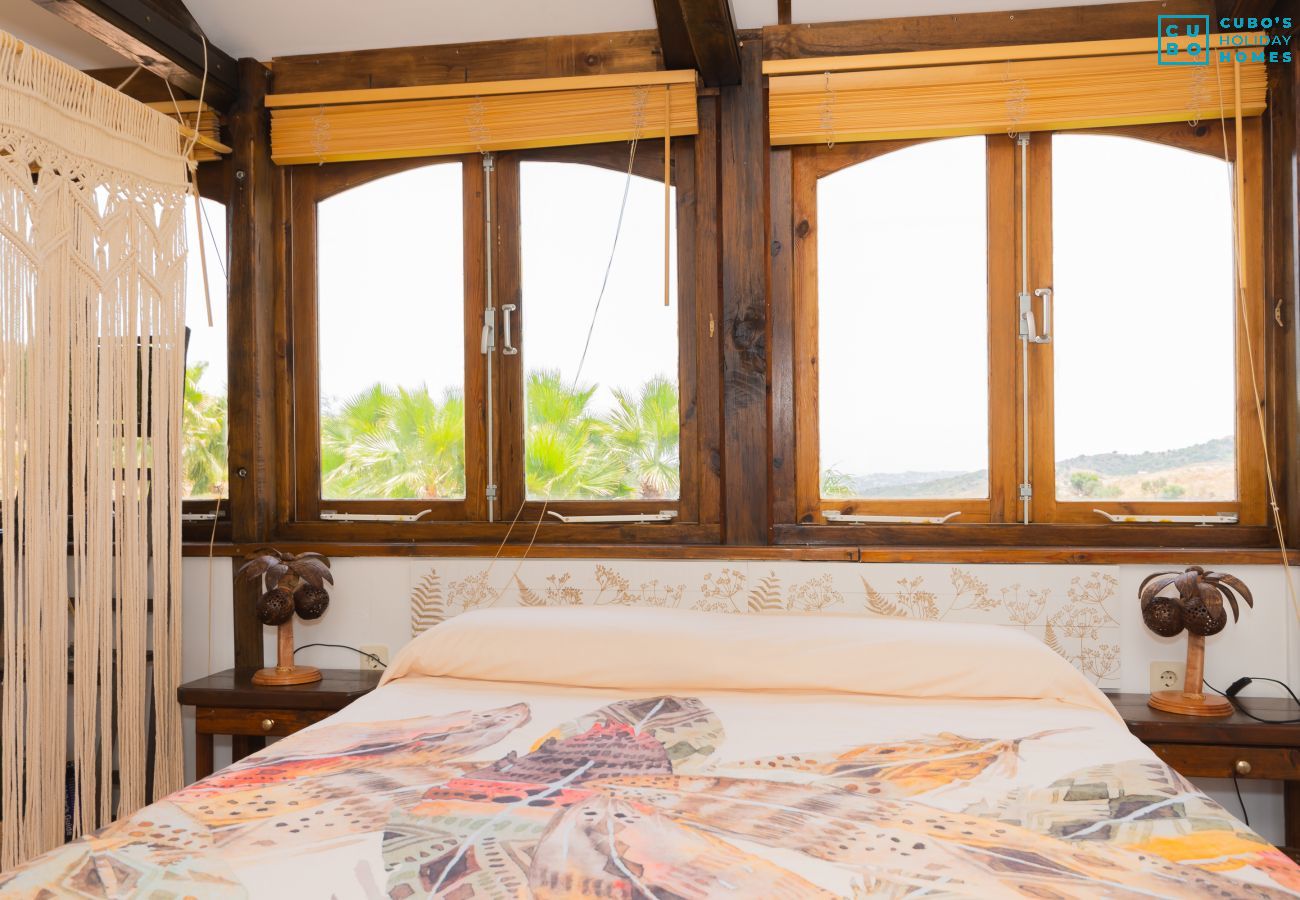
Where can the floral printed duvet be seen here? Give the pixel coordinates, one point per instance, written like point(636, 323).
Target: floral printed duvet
point(483, 791)
point(466, 788)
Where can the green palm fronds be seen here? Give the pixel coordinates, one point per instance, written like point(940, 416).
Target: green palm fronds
point(404, 443)
point(203, 445)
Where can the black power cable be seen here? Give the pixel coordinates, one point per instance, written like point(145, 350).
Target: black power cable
point(1237, 686)
point(379, 662)
point(1231, 694)
point(1245, 816)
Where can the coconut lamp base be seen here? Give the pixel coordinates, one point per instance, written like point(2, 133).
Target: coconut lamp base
point(1184, 704)
point(285, 672)
point(287, 675)
point(1190, 701)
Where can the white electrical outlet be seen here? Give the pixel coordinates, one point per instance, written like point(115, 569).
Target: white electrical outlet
point(1168, 676)
point(379, 650)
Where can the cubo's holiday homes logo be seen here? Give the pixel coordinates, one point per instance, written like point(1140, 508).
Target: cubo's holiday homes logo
point(1186, 40)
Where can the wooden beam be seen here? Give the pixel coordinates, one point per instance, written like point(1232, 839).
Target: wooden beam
point(700, 34)
point(783, 13)
point(1283, 280)
point(743, 226)
point(252, 241)
point(159, 35)
point(1245, 9)
point(1024, 26)
point(546, 57)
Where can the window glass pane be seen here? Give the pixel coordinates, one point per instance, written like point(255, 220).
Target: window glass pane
point(1144, 348)
point(203, 423)
point(902, 306)
point(390, 295)
point(610, 430)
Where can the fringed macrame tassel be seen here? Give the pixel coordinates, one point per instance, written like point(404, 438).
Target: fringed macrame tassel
point(92, 275)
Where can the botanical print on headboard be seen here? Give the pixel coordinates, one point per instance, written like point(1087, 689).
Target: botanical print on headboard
point(1072, 610)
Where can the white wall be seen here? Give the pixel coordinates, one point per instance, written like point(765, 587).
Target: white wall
point(371, 604)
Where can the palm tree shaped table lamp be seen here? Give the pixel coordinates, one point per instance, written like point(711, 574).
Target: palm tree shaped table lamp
point(1198, 608)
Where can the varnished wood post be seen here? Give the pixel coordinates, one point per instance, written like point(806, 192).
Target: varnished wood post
point(1191, 700)
point(1283, 276)
point(1194, 676)
point(743, 224)
point(251, 354)
point(285, 672)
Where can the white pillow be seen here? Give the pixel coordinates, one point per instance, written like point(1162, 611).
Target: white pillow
point(640, 648)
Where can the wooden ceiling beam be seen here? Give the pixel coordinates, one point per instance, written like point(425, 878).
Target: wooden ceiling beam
point(700, 34)
point(1246, 9)
point(1096, 22)
point(159, 35)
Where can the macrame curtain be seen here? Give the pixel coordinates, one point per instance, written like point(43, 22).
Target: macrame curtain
point(92, 261)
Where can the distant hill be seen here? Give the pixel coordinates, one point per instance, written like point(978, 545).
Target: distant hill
point(1217, 450)
point(975, 484)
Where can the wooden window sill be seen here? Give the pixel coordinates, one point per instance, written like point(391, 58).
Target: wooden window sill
point(831, 553)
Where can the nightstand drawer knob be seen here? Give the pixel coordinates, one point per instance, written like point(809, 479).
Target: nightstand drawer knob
point(268, 724)
point(1242, 767)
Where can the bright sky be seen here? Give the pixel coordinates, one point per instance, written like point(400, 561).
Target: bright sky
point(207, 342)
point(1143, 302)
point(569, 216)
point(902, 306)
point(1144, 297)
point(391, 282)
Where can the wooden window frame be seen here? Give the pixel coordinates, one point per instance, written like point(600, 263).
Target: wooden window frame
point(214, 184)
point(798, 505)
point(1250, 506)
point(307, 187)
point(697, 505)
point(812, 163)
point(648, 164)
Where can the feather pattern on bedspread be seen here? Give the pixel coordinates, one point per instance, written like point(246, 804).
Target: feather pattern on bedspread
point(638, 798)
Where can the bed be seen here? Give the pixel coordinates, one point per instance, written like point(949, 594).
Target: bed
point(659, 753)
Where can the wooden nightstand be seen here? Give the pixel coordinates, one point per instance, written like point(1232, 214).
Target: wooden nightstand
point(1216, 748)
point(229, 703)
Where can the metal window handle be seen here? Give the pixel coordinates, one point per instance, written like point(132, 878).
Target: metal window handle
point(508, 348)
point(1046, 336)
point(488, 339)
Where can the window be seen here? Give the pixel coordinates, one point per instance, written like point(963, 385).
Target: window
point(611, 430)
point(916, 399)
point(204, 415)
point(383, 322)
point(391, 301)
point(419, 392)
point(1138, 425)
point(880, 226)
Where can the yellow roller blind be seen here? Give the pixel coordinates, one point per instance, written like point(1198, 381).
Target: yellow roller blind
point(1004, 89)
point(436, 120)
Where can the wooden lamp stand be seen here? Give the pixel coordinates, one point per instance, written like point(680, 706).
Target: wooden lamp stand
point(285, 672)
point(1191, 701)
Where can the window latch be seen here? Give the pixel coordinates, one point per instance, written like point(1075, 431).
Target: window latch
point(331, 515)
point(1222, 518)
point(837, 517)
point(488, 340)
point(664, 515)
